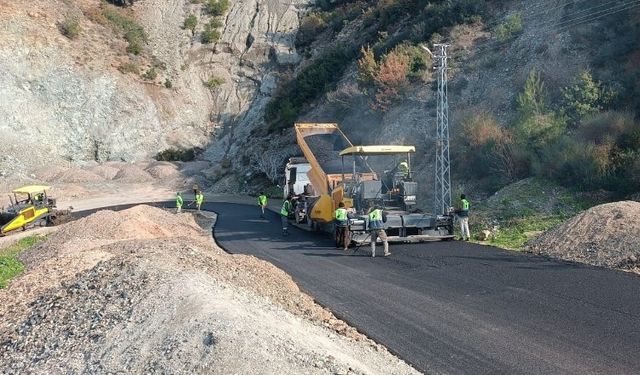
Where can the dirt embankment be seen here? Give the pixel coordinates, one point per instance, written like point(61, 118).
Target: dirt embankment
point(145, 290)
point(607, 235)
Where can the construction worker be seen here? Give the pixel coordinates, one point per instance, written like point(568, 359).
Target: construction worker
point(284, 215)
point(262, 202)
point(342, 227)
point(376, 227)
point(404, 168)
point(179, 202)
point(463, 217)
point(199, 199)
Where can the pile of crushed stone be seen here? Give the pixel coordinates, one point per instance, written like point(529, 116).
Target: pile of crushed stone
point(147, 291)
point(132, 174)
point(607, 235)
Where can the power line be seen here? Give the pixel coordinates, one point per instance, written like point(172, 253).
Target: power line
point(480, 47)
point(562, 25)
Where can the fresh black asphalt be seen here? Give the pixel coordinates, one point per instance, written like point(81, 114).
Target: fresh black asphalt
point(458, 308)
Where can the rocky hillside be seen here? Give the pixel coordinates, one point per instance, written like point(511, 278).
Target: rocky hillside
point(86, 80)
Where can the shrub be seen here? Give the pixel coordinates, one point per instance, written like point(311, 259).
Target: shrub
point(129, 67)
point(536, 126)
point(210, 33)
point(150, 74)
point(173, 154)
point(487, 150)
point(133, 33)
point(167, 83)
point(216, 7)
point(367, 67)
point(312, 81)
point(213, 82)
point(391, 80)
point(311, 25)
point(69, 27)
point(190, 23)
point(510, 28)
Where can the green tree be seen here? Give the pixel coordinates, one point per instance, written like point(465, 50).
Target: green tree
point(508, 29)
point(536, 125)
point(367, 67)
point(190, 23)
point(584, 97)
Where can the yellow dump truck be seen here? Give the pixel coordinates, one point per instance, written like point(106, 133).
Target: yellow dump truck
point(30, 205)
point(339, 171)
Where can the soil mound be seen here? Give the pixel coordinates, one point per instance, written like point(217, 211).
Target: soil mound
point(132, 174)
point(59, 174)
point(146, 291)
point(105, 171)
point(607, 235)
point(162, 170)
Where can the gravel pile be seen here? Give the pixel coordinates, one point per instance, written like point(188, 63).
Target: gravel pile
point(607, 235)
point(147, 291)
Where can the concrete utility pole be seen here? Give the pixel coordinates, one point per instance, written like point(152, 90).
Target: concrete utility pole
point(443, 166)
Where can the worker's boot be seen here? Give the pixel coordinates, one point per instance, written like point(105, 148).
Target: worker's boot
point(386, 249)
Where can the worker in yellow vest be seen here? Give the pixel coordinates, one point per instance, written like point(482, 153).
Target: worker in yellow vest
point(376, 228)
point(179, 202)
point(342, 227)
point(199, 199)
point(463, 217)
point(262, 202)
point(285, 210)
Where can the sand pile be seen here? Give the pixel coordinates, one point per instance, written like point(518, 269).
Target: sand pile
point(194, 167)
point(147, 291)
point(607, 235)
point(130, 173)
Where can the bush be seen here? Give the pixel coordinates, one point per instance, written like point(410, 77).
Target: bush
point(167, 83)
point(510, 28)
point(311, 25)
point(190, 23)
point(133, 33)
point(129, 68)
point(313, 80)
point(216, 7)
point(173, 154)
point(150, 74)
point(69, 27)
point(487, 150)
point(213, 82)
point(210, 33)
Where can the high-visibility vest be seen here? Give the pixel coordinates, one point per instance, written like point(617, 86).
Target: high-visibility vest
point(375, 219)
point(341, 214)
point(199, 198)
point(286, 207)
point(262, 200)
point(404, 167)
point(465, 205)
point(179, 201)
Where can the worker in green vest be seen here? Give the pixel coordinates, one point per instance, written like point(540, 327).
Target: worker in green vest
point(342, 227)
point(262, 202)
point(285, 210)
point(376, 228)
point(463, 217)
point(179, 202)
point(404, 168)
point(199, 199)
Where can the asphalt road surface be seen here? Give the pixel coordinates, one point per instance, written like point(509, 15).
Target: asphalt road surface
point(458, 308)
